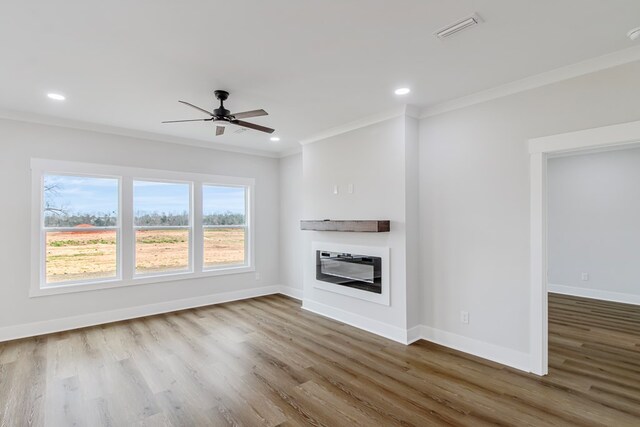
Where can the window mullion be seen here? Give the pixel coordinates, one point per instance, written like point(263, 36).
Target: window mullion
point(198, 231)
point(76, 229)
point(161, 227)
point(249, 243)
point(127, 244)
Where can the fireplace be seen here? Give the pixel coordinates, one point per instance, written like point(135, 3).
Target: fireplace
point(356, 271)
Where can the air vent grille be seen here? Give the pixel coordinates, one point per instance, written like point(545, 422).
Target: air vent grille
point(461, 25)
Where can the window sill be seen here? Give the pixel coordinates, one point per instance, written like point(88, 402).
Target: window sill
point(143, 280)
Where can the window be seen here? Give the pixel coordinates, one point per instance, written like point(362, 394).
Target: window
point(224, 225)
point(162, 226)
point(81, 228)
point(100, 226)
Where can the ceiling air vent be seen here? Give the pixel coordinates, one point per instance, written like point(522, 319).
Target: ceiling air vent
point(455, 28)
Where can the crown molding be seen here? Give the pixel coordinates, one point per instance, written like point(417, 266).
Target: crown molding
point(20, 116)
point(290, 152)
point(412, 111)
point(404, 110)
point(589, 66)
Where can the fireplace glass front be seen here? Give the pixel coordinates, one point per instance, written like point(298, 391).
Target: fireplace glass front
point(362, 272)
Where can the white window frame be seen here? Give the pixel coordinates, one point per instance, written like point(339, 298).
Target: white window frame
point(189, 228)
point(126, 253)
point(247, 218)
point(44, 230)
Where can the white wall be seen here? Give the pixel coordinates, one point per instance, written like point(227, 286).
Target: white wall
point(291, 244)
point(594, 223)
point(19, 142)
point(474, 199)
point(412, 218)
point(373, 160)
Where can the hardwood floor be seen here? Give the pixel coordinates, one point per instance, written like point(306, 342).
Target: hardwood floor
point(267, 362)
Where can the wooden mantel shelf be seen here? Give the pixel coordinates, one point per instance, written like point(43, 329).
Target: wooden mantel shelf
point(359, 225)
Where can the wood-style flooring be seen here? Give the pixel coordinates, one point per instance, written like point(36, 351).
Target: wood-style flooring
point(265, 361)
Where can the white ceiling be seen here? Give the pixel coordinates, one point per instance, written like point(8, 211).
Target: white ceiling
point(312, 65)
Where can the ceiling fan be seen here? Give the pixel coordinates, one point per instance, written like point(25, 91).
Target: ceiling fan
point(222, 117)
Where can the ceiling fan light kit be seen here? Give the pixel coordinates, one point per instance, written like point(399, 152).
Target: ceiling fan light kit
point(223, 117)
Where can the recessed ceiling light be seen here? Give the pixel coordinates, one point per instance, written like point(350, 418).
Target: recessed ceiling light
point(402, 91)
point(634, 34)
point(274, 139)
point(56, 96)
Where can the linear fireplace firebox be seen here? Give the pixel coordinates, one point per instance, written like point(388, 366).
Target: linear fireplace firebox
point(362, 272)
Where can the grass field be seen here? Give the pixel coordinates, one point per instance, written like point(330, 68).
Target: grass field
point(81, 255)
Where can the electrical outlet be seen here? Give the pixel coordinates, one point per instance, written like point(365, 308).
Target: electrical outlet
point(350, 188)
point(257, 276)
point(464, 317)
point(585, 277)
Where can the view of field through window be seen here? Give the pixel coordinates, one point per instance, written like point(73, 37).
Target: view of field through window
point(81, 218)
point(224, 223)
point(165, 206)
point(81, 223)
point(78, 255)
point(224, 246)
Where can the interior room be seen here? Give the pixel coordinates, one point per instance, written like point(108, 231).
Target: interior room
point(365, 212)
point(593, 270)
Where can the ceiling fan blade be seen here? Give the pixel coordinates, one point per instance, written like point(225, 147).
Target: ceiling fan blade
point(190, 120)
point(219, 130)
point(196, 107)
point(253, 126)
point(247, 114)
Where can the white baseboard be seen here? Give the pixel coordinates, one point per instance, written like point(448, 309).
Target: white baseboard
point(414, 334)
point(594, 294)
point(385, 330)
point(295, 293)
point(502, 355)
point(8, 333)
point(404, 336)
point(485, 350)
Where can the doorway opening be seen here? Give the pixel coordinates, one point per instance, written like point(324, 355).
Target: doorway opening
point(625, 135)
point(593, 212)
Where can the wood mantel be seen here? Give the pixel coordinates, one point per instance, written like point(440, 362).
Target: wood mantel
point(358, 225)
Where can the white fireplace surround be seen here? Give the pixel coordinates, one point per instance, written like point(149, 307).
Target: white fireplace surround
point(382, 252)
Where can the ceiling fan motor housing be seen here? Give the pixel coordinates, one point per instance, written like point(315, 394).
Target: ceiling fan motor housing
point(221, 113)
